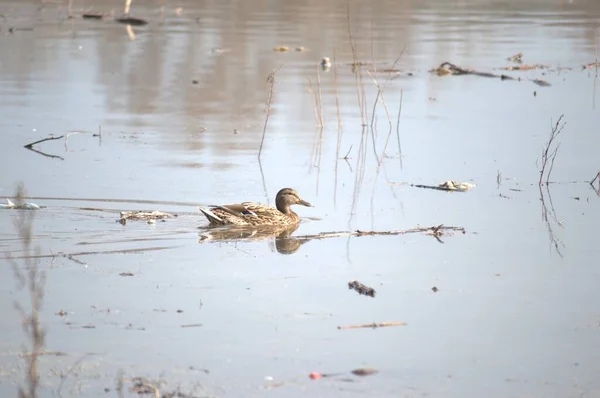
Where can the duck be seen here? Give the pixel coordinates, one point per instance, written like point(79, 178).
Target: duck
point(255, 214)
point(325, 63)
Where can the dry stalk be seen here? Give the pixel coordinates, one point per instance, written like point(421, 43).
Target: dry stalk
point(596, 68)
point(360, 168)
point(271, 83)
point(318, 108)
point(320, 98)
point(315, 103)
point(550, 151)
point(317, 146)
point(29, 275)
point(339, 118)
point(358, 73)
point(319, 101)
point(398, 128)
point(380, 96)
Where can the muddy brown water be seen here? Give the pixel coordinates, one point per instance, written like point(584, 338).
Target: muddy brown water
point(181, 106)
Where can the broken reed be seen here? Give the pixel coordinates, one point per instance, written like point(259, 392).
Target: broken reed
point(28, 275)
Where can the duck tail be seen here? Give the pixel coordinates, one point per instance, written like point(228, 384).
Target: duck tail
point(212, 217)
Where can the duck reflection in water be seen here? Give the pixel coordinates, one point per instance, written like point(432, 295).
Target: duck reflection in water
point(281, 236)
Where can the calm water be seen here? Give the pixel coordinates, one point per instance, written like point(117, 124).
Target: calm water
point(181, 107)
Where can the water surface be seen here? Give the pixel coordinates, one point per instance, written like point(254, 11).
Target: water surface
point(180, 105)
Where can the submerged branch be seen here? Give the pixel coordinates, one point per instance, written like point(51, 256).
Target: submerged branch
point(434, 231)
point(30, 145)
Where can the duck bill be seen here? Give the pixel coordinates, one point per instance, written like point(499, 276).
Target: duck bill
point(305, 203)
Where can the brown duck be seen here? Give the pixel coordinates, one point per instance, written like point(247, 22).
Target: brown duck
point(250, 213)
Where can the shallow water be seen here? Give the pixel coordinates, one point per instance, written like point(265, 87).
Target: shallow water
point(180, 104)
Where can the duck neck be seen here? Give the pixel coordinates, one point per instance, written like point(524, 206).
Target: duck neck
point(284, 208)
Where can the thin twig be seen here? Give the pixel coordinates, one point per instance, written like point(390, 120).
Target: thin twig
point(347, 153)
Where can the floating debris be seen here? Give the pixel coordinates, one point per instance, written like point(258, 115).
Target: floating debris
point(281, 49)
point(524, 67)
point(92, 15)
point(22, 206)
point(126, 274)
point(219, 50)
point(447, 68)
point(541, 83)
point(452, 185)
point(448, 186)
point(325, 63)
point(127, 20)
point(372, 325)
point(518, 58)
point(143, 215)
point(591, 65)
point(300, 49)
point(192, 325)
point(364, 372)
point(142, 386)
point(361, 289)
